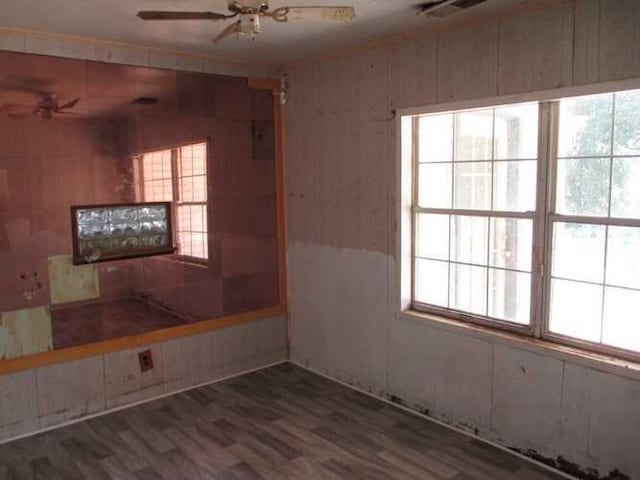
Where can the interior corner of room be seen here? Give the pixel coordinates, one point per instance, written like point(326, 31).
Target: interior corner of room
point(355, 239)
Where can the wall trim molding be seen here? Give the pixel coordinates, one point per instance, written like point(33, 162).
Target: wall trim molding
point(36, 42)
point(133, 341)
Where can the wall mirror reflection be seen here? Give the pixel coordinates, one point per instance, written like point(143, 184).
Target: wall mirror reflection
point(86, 134)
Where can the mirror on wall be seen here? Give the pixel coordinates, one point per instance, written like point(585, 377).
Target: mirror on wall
point(87, 134)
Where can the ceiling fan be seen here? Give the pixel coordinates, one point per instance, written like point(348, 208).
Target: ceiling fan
point(46, 108)
point(250, 12)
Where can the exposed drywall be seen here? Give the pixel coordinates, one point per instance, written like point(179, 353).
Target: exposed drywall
point(47, 396)
point(25, 332)
point(342, 231)
point(71, 283)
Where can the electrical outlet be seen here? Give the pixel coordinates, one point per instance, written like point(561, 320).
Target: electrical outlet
point(146, 360)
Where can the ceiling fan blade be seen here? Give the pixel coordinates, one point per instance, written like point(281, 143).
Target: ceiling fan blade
point(69, 104)
point(321, 14)
point(18, 116)
point(227, 32)
point(17, 109)
point(158, 15)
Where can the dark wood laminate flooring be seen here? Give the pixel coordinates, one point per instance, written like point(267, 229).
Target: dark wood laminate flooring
point(279, 423)
point(97, 321)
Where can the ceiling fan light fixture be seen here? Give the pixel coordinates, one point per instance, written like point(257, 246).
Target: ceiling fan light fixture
point(249, 25)
point(247, 15)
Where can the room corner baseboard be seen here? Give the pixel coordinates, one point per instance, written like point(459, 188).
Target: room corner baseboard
point(438, 422)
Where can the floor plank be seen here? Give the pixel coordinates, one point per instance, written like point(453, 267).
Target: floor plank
point(278, 423)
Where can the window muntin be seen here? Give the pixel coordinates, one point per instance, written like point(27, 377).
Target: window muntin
point(192, 201)
point(179, 175)
point(474, 219)
point(595, 222)
point(474, 211)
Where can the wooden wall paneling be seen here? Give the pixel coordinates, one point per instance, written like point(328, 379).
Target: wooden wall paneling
point(369, 162)
point(300, 107)
point(292, 148)
point(619, 37)
point(321, 162)
point(468, 62)
point(586, 37)
point(412, 72)
point(535, 50)
point(340, 120)
point(332, 105)
point(607, 36)
point(281, 199)
point(316, 148)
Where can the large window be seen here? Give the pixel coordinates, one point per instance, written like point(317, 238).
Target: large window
point(179, 175)
point(527, 217)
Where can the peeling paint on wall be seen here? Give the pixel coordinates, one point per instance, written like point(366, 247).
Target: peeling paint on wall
point(71, 283)
point(25, 332)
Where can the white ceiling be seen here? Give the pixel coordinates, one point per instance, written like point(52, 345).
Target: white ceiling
point(116, 20)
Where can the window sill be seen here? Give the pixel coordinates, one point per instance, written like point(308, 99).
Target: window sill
point(183, 261)
point(596, 361)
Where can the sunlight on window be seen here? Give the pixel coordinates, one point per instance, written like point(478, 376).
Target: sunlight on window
point(595, 291)
point(180, 175)
point(471, 164)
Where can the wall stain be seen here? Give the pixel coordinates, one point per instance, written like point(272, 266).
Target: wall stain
point(559, 463)
point(564, 465)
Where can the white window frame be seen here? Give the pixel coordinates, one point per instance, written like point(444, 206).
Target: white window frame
point(543, 217)
point(175, 188)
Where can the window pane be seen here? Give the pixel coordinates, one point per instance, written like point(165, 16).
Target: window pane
point(186, 189)
point(516, 132)
point(469, 238)
point(468, 288)
point(434, 188)
point(621, 324)
point(431, 282)
point(575, 309)
point(578, 251)
point(184, 218)
point(436, 138)
point(511, 241)
point(193, 189)
point(472, 185)
point(433, 236)
point(157, 165)
point(626, 135)
point(184, 243)
point(199, 247)
point(514, 186)
point(509, 296)
point(623, 257)
point(583, 187)
point(585, 126)
point(474, 135)
point(625, 196)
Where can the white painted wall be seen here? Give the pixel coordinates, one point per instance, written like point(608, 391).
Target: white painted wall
point(342, 232)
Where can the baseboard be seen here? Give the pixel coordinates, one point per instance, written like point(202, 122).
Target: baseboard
point(438, 422)
point(140, 402)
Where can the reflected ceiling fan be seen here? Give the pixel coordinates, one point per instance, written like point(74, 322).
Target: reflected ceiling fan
point(46, 108)
point(249, 13)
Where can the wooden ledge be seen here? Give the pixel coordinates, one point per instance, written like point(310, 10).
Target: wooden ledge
point(100, 348)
